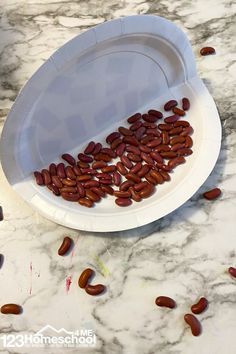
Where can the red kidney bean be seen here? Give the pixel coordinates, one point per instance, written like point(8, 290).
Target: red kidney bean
point(177, 139)
point(116, 178)
point(181, 123)
point(168, 154)
point(70, 197)
point(149, 118)
point(107, 189)
point(102, 157)
point(108, 169)
point(69, 182)
point(157, 176)
point(39, 178)
point(163, 167)
point(133, 177)
point(98, 164)
point(124, 131)
point(212, 194)
point(103, 175)
point(52, 169)
point(54, 189)
point(200, 306)
point(146, 139)
point(111, 137)
point(86, 202)
point(120, 149)
point(155, 142)
point(68, 158)
point(121, 168)
point(77, 171)
point(165, 301)
point(97, 149)
point(187, 131)
point(194, 324)
point(133, 149)
point(83, 178)
point(144, 170)
point(131, 140)
point(188, 142)
point(147, 191)
point(123, 202)
point(176, 131)
point(137, 167)
point(46, 176)
point(70, 172)
point(140, 132)
point(178, 111)
point(65, 246)
point(85, 276)
point(156, 156)
point(176, 161)
point(184, 152)
point(81, 190)
point(138, 187)
point(162, 148)
point(134, 118)
point(88, 171)
point(136, 125)
point(170, 104)
point(134, 195)
point(126, 161)
point(134, 157)
point(207, 51)
point(122, 194)
point(91, 183)
point(185, 103)
point(106, 181)
point(165, 175)
point(176, 147)
point(171, 119)
point(232, 271)
point(72, 190)
point(116, 143)
point(165, 127)
point(90, 147)
point(154, 132)
point(153, 112)
point(126, 185)
point(149, 125)
point(147, 158)
point(85, 158)
point(165, 139)
point(83, 164)
point(92, 196)
point(13, 309)
point(144, 148)
point(98, 191)
point(95, 289)
point(57, 182)
point(150, 179)
point(109, 152)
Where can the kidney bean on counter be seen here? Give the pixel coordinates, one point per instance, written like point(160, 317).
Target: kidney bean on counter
point(156, 113)
point(116, 177)
point(61, 170)
point(52, 169)
point(134, 195)
point(176, 161)
point(122, 194)
point(89, 148)
point(65, 246)
point(13, 309)
point(207, 51)
point(70, 172)
point(134, 118)
point(170, 104)
point(185, 103)
point(194, 324)
point(39, 178)
point(120, 149)
point(68, 158)
point(165, 301)
point(98, 191)
point(95, 289)
point(85, 276)
point(88, 203)
point(178, 111)
point(136, 125)
point(97, 149)
point(54, 189)
point(200, 306)
point(212, 194)
point(126, 185)
point(123, 202)
point(232, 271)
point(147, 191)
point(46, 176)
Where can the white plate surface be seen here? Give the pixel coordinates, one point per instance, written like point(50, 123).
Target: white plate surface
point(86, 90)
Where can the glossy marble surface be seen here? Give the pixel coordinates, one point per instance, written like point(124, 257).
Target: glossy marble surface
point(184, 255)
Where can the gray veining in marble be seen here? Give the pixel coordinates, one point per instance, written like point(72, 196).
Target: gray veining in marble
point(184, 255)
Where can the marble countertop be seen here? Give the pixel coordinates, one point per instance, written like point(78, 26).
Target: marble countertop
point(184, 255)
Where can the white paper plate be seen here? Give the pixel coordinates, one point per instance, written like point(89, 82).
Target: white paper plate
point(87, 89)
